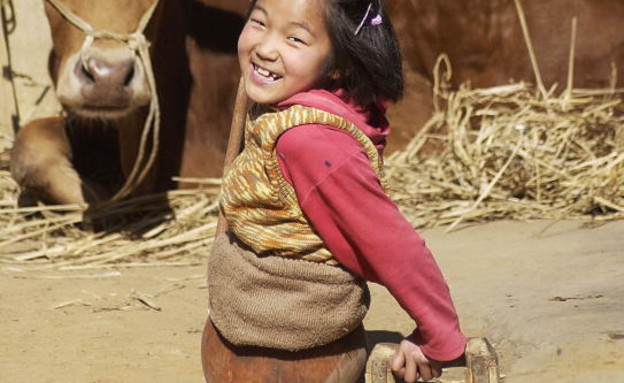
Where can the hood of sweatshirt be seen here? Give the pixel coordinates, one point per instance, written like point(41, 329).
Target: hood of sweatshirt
point(371, 121)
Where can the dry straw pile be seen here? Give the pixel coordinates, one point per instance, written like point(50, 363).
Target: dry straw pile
point(513, 152)
point(503, 152)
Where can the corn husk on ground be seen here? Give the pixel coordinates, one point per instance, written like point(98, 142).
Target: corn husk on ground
point(503, 152)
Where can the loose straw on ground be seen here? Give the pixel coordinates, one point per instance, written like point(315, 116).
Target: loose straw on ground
point(174, 228)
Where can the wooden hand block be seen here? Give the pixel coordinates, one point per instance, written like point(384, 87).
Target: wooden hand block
point(480, 363)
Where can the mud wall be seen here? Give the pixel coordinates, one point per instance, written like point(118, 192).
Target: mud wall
point(28, 50)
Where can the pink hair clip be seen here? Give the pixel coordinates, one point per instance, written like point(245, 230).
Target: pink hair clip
point(374, 21)
point(377, 20)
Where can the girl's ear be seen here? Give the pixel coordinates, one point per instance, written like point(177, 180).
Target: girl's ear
point(334, 74)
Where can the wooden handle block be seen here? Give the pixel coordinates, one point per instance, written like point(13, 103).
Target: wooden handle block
point(480, 363)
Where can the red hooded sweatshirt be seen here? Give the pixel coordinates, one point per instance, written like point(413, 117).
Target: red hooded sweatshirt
point(342, 197)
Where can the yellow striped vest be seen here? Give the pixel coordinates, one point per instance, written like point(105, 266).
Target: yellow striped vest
point(260, 206)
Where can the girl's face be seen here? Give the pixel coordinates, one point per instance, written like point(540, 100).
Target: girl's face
point(283, 49)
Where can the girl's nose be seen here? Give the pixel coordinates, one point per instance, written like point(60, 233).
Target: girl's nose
point(267, 49)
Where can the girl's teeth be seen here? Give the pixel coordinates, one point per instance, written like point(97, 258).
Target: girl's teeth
point(266, 73)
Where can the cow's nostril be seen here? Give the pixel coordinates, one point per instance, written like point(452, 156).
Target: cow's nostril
point(107, 73)
point(87, 73)
point(129, 76)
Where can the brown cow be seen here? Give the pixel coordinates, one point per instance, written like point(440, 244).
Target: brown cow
point(485, 44)
point(105, 94)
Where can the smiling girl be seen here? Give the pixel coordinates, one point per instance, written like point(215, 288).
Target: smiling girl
point(308, 218)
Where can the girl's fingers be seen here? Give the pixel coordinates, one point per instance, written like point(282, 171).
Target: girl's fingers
point(436, 369)
point(425, 371)
point(411, 370)
point(398, 362)
point(399, 374)
point(410, 364)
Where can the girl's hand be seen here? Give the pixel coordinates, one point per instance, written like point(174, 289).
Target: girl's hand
point(410, 364)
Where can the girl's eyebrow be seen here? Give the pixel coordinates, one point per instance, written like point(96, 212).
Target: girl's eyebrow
point(260, 8)
point(303, 25)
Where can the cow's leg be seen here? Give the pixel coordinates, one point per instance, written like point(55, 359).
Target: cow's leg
point(41, 163)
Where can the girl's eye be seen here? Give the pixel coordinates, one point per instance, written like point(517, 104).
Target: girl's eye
point(256, 22)
point(296, 40)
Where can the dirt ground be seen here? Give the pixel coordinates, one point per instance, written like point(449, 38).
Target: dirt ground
point(549, 297)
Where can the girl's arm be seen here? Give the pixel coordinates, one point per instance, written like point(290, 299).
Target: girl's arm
point(341, 196)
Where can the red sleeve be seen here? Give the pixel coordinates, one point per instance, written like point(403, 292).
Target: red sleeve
point(342, 197)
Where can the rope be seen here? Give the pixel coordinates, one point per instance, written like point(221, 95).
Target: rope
point(137, 42)
point(8, 16)
point(8, 24)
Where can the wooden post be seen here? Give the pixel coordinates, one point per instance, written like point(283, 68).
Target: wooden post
point(235, 142)
point(8, 108)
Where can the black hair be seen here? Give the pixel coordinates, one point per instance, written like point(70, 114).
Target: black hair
point(367, 65)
